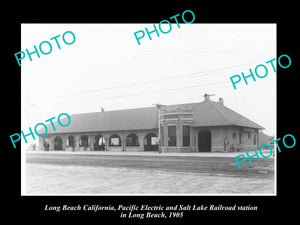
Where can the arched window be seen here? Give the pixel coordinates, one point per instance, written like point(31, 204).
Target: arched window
point(114, 140)
point(132, 140)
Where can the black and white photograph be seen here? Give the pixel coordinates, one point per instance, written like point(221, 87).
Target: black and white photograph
point(150, 113)
point(124, 115)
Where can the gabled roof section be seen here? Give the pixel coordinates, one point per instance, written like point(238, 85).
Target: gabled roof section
point(210, 113)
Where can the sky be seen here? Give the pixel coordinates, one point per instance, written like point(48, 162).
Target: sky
point(106, 68)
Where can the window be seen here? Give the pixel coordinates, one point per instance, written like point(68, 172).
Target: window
point(240, 138)
point(185, 136)
point(172, 136)
point(115, 140)
point(249, 135)
point(254, 139)
point(154, 140)
point(233, 135)
point(162, 137)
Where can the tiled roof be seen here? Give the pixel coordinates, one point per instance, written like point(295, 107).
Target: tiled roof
point(206, 113)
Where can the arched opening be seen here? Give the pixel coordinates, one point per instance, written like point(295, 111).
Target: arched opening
point(57, 143)
point(84, 141)
point(99, 143)
point(150, 142)
point(204, 141)
point(114, 140)
point(46, 144)
point(70, 141)
point(132, 140)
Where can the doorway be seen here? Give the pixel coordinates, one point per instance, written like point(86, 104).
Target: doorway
point(204, 141)
point(150, 142)
point(58, 143)
point(99, 143)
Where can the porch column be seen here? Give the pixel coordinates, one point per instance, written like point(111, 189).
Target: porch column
point(41, 144)
point(141, 142)
point(91, 138)
point(51, 144)
point(123, 141)
point(106, 143)
point(64, 143)
point(76, 138)
point(178, 135)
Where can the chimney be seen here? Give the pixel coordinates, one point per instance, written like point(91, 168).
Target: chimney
point(221, 101)
point(206, 97)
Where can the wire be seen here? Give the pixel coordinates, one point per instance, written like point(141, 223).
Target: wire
point(156, 80)
point(156, 91)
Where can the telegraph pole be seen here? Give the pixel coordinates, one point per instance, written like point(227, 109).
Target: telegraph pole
point(158, 106)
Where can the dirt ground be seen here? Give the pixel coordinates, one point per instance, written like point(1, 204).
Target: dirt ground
point(71, 174)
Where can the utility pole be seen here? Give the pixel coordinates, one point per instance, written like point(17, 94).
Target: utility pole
point(158, 106)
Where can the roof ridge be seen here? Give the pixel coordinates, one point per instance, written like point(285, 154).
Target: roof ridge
point(150, 107)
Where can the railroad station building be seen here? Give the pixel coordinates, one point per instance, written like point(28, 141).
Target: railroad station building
point(206, 126)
